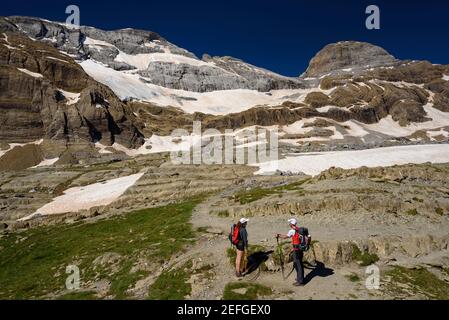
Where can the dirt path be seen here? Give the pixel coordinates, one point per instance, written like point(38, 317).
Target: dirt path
point(211, 249)
point(328, 283)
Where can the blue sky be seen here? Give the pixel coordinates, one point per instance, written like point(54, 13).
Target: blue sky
point(280, 35)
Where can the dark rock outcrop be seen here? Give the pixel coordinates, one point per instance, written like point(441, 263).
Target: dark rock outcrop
point(46, 94)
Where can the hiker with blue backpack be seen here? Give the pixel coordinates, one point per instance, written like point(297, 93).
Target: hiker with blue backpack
point(300, 241)
point(239, 239)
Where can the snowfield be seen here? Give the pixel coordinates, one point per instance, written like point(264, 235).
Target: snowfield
point(84, 198)
point(129, 85)
point(388, 126)
point(46, 162)
point(315, 163)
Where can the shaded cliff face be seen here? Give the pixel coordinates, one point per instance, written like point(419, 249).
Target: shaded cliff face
point(46, 94)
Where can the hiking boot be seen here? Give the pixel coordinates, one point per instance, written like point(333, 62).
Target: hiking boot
point(238, 274)
point(298, 284)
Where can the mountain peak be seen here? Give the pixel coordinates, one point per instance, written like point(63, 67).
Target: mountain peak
point(348, 55)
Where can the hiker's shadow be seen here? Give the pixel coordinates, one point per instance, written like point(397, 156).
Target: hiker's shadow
point(256, 259)
point(318, 270)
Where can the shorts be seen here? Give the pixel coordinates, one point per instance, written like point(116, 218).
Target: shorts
point(240, 246)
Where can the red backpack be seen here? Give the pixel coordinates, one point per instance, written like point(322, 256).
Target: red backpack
point(301, 240)
point(234, 235)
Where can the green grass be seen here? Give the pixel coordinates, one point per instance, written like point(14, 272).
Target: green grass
point(404, 282)
point(248, 196)
point(412, 212)
point(445, 270)
point(363, 258)
point(32, 263)
point(353, 277)
point(171, 285)
point(124, 279)
point(253, 291)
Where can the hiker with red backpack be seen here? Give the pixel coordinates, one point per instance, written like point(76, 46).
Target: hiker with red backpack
point(239, 239)
point(300, 241)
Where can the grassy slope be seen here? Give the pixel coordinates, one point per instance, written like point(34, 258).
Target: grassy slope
point(32, 263)
point(410, 282)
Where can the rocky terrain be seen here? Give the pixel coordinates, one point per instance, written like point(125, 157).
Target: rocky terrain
point(86, 177)
point(395, 217)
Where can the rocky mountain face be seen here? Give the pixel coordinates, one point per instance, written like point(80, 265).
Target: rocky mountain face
point(82, 86)
point(45, 94)
point(348, 55)
point(154, 58)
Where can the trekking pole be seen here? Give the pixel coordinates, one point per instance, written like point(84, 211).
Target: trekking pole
point(281, 260)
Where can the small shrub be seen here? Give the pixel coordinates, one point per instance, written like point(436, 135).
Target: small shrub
point(363, 258)
point(412, 212)
point(353, 277)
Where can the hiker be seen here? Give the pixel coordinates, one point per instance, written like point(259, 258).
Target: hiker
point(300, 241)
point(239, 238)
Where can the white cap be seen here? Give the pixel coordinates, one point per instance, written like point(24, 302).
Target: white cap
point(244, 220)
point(292, 221)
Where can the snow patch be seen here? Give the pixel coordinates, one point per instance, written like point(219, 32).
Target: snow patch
point(388, 126)
point(30, 73)
point(158, 144)
point(83, 198)
point(315, 163)
point(56, 59)
point(142, 60)
point(94, 42)
point(71, 97)
point(445, 77)
point(354, 129)
point(436, 133)
point(102, 148)
point(46, 162)
point(327, 108)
